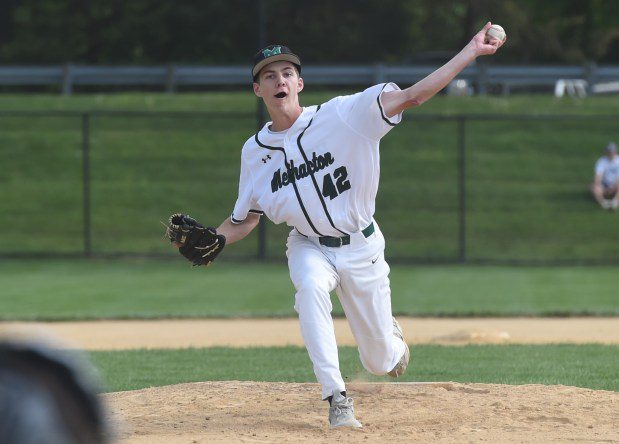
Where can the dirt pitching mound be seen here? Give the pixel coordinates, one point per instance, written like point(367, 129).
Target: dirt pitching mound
point(390, 412)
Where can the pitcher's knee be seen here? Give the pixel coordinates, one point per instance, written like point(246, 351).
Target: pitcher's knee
point(378, 365)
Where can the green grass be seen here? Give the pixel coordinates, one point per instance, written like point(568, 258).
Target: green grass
point(526, 186)
point(245, 101)
point(91, 289)
point(592, 366)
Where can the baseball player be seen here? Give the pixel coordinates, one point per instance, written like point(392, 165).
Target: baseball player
point(316, 168)
point(605, 186)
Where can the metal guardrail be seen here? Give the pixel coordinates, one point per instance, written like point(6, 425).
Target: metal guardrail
point(170, 77)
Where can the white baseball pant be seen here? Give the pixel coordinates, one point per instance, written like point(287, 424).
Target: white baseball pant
point(359, 274)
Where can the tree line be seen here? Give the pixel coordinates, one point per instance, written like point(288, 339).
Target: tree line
point(321, 31)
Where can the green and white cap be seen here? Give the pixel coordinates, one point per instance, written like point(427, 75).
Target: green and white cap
point(274, 53)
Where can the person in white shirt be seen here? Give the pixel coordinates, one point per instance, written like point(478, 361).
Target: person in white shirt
point(316, 168)
point(605, 186)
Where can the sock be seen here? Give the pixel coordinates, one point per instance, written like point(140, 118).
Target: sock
point(330, 398)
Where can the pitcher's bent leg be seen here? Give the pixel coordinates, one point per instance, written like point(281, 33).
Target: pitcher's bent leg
point(365, 295)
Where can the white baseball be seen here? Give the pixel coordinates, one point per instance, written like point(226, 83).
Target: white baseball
point(496, 32)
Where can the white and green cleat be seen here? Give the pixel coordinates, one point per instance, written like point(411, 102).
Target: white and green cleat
point(342, 412)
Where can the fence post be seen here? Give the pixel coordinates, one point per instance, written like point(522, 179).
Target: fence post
point(590, 75)
point(462, 189)
point(67, 79)
point(86, 183)
point(260, 121)
point(262, 227)
point(482, 79)
point(170, 82)
point(379, 73)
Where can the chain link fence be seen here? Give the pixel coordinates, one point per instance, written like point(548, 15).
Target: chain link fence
point(466, 188)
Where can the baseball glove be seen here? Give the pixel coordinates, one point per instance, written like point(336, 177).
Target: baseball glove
point(198, 244)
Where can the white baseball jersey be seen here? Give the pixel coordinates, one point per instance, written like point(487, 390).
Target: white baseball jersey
point(609, 169)
point(321, 175)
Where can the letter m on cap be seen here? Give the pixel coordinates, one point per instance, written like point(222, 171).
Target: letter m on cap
point(271, 52)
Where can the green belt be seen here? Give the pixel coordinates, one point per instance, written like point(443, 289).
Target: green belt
point(329, 241)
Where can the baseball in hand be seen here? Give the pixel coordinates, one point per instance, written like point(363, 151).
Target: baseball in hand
point(495, 32)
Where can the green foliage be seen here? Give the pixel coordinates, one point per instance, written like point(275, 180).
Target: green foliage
point(136, 32)
point(322, 31)
point(591, 366)
point(90, 289)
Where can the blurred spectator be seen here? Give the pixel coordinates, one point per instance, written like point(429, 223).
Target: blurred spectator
point(605, 187)
point(47, 396)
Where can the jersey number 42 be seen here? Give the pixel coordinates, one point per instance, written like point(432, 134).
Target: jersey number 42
point(331, 190)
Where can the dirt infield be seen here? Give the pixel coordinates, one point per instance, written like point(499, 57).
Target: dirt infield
point(434, 412)
point(391, 412)
point(116, 335)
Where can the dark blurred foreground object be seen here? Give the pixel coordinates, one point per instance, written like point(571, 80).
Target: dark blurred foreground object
point(47, 396)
